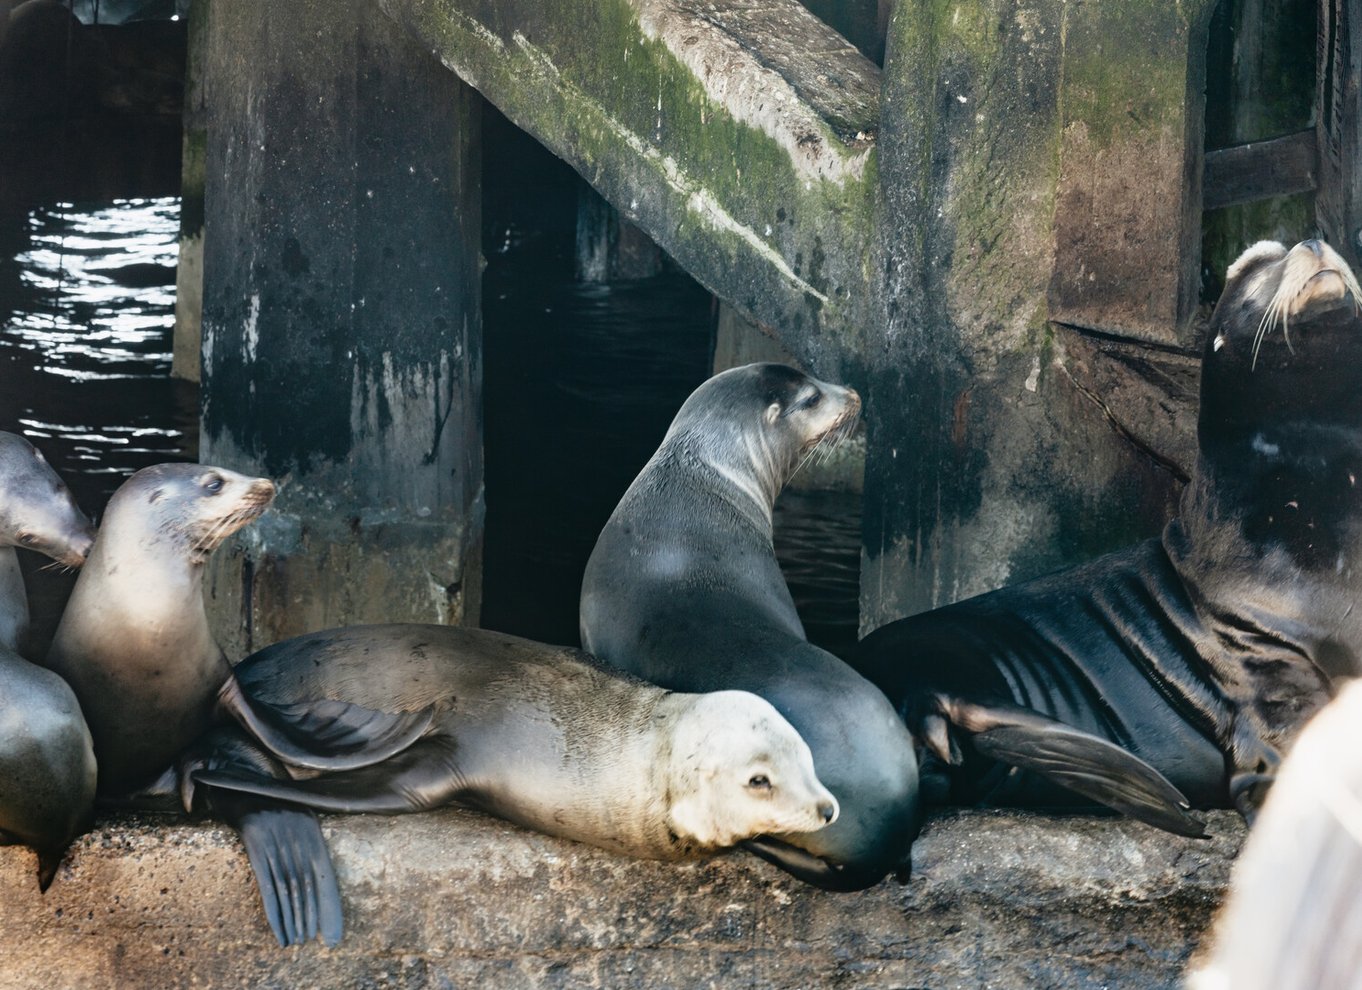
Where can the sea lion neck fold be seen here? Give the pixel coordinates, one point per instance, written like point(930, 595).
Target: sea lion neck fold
point(750, 428)
point(1203, 653)
point(1280, 452)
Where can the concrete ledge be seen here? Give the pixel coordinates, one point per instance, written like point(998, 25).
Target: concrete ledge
point(454, 899)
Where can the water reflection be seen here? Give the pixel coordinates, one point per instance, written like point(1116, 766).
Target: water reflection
point(96, 295)
point(86, 320)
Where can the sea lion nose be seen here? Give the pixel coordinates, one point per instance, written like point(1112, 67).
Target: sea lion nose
point(80, 546)
point(1314, 246)
point(827, 810)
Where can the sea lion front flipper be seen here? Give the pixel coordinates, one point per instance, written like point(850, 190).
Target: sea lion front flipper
point(1075, 759)
point(422, 777)
point(323, 734)
point(804, 865)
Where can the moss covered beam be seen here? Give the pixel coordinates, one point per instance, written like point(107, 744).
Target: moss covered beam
point(739, 135)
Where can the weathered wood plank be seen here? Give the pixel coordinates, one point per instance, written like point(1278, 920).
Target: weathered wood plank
point(698, 121)
point(1260, 169)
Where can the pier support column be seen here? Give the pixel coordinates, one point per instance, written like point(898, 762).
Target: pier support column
point(1003, 443)
point(341, 320)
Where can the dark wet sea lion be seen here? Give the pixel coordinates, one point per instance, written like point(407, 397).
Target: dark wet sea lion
point(47, 763)
point(397, 718)
point(1204, 652)
point(135, 646)
point(683, 589)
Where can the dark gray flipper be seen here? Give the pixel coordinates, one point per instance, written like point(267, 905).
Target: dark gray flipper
point(325, 735)
point(292, 866)
point(420, 778)
point(1077, 760)
point(48, 861)
point(284, 842)
point(804, 865)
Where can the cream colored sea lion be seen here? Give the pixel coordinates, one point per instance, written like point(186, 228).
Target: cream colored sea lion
point(395, 718)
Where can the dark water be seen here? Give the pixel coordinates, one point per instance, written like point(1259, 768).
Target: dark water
point(85, 354)
point(581, 381)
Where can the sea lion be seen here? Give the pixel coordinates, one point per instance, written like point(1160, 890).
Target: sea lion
point(134, 640)
point(135, 646)
point(683, 589)
point(47, 763)
point(397, 718)
point(1202, 652)
point(1293, 918)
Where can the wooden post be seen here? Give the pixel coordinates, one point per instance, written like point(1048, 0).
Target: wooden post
point(341, 320)
point(1338, 202)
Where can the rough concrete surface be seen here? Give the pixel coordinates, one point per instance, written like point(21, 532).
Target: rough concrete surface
point(454, 899)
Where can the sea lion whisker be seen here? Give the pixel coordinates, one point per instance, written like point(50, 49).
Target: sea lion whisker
point(803, 459)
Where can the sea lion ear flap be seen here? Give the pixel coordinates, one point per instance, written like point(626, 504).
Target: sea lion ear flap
point(1077, 760)
point(772, 413)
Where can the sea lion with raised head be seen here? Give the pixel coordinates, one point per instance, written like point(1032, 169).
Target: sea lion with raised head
point(683, 589)
point(47, 763)
point(135, 646)
point(1203, 652)
point(398, 718)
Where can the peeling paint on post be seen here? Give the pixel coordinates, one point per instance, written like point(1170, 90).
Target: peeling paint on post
point(342, 351)
point(188, 335)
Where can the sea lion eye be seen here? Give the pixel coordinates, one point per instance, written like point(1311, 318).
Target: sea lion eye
point(212, 483)
point(813, 400)
point(27, 539)
point(760, 782)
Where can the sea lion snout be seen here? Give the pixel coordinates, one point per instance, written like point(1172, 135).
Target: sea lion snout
point(37, 511)
point(78, 546)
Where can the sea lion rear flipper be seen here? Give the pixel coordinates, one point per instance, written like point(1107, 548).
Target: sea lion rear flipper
point(416, 779)
point(1075, 759)
point(284, 842)
point(292, 866)
point(323, 734)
